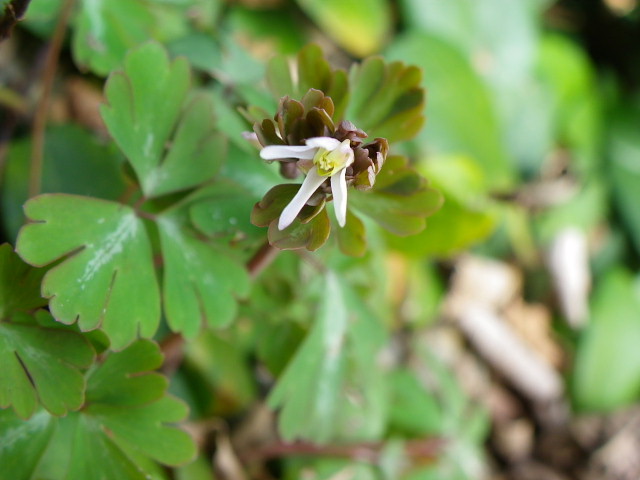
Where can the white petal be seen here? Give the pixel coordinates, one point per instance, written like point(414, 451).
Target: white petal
point(350, 157)
point(339, 190)
point(275, 152)
point(308, 187)
point(327, 143)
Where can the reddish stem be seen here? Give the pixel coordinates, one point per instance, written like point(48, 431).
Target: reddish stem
point(262, 259)
point(419, 449)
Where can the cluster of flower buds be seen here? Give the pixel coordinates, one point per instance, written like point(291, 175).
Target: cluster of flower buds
point(303, 137)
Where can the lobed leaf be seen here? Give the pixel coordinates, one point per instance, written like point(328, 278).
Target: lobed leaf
point(387, 99)
point(23, 443)
point(107, 29)
point(171, 144)
point(42, 366)
point(466, 217)
point(400, 200)
point(335, 358)
point(201, 280)
point(105, 278)
point(126, 423)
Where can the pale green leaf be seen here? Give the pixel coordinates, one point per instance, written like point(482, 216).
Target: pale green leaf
point(462, 118)
point(333, 388)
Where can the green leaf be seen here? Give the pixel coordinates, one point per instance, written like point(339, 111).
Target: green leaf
point(400, 200)
point(201, 280)
point(123, 381)
point(106, 277)
point(331, 390)
point(19, 284)
point(462, 118)
point(415, 411)
point(125, 424)
point(278, 27)
point(41, 365)
point(359, 26)
point(387, 99)
point(224, 210)
point(624, 151)
point(311, 234)
point(351, 238)
point(309, 230)
point(607, 366)
point(471, 26)
point(466, 217)
point(248, 170)
point(277, 341)
point(143, 127)
point(106, 29)
point(201, 49)
point(42, 15)
point(23, 443)
point(569, 80)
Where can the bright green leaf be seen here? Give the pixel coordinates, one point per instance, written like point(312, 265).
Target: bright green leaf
point(144, 127)
point(201, 280)
point(106, 278)
point(223, 210)
point(123, 381)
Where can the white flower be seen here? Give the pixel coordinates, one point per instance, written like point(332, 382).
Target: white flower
point(330, 159)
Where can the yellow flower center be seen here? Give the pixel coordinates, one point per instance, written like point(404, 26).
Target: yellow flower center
point(328, 162)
